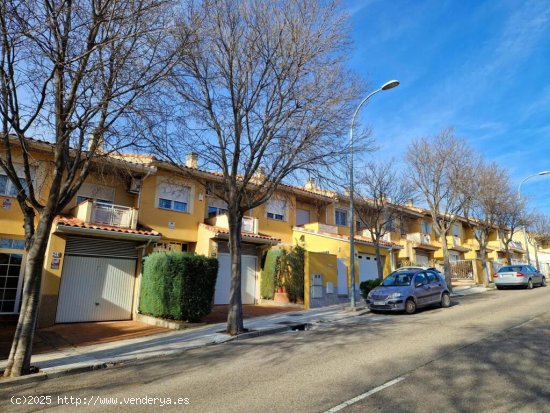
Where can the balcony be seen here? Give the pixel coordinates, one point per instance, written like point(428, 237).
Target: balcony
point(367, 234)
point(101, 213)
point(420, 238)
point(249, 224)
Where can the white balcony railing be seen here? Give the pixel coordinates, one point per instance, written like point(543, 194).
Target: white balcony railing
point(249, 224)
point(113, 215)
point(420, 238)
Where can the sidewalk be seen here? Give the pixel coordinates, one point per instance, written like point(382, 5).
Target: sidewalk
point(468, 290)
point(98, 356)
point(92, 357)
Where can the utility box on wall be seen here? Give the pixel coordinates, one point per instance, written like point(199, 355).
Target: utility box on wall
point(316, 285)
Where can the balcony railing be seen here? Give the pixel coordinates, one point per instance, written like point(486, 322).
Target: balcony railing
point(420, 238)
point(113, 215)
point(102, 213)
point(249, 224)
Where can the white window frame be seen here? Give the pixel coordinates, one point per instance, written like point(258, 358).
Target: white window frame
point(10, 190)
point(218, 204)
point(426, 227)
point(95, 192)
point(276, 209)
point(345, 212)
point(174, 193)
point(19, 251)
point(459, 230)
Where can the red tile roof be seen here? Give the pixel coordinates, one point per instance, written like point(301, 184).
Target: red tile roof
point(220, 230)
point(77, 223)
point(361, 239)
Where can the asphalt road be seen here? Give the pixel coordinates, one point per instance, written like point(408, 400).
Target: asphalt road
point(488, 352)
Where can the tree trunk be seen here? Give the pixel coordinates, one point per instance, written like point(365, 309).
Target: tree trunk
point(508, 255)
point(378, 260)
point(446, 261)
point(21, 350)
point(235, 314)
point(486, 271)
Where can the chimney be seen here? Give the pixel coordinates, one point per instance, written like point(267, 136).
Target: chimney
point(260, 174)
point(192, 160)
point(410, 202)
point(310, 184)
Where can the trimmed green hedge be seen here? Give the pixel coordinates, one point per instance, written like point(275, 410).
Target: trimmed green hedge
point(267, 280)
point(367, 286)
point(178, 286)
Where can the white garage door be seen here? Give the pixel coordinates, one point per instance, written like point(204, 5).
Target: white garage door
point(248, 279)
point(367, 267)
point(97, 281)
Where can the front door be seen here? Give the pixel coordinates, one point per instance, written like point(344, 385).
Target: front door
point(248, 279)
point(342, 277)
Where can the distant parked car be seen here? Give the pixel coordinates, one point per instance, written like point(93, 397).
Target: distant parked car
point(409, 289)
point(520, 275)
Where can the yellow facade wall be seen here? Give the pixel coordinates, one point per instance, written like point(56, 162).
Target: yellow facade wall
point(51, 281)
point(185, 224)
point(319, 263)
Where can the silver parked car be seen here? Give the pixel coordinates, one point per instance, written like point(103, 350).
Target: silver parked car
point(409, 289)
point(520, 275)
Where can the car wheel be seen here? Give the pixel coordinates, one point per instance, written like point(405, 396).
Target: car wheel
point(410, 306)
point(445, 300)
point(543, 282)
point(499, 287)
point(529, 285)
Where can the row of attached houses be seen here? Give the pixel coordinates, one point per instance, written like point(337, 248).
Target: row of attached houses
point(133, 205)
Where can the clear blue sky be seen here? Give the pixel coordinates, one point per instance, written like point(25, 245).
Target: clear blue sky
point(480, 66)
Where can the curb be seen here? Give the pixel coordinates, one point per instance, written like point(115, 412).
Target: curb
point(117, 361)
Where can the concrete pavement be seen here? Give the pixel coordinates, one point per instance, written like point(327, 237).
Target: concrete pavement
point(93, 357)
point(318, 369)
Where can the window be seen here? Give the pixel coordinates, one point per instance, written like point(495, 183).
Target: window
point(174, 197)
point(456, 230)
point(426, 227)
point(276, 209)
point(10, 270)
point(479, 233)
point(420, 279)
point(341, 217)
point(14, 244)
point(95, 192)
point(8, 188)
point(216, 207)
point(432, 277)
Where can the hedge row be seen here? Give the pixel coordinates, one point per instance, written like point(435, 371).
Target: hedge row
point(178, 286)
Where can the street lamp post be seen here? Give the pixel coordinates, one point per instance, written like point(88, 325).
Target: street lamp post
point(386, 86)
point(523, 226)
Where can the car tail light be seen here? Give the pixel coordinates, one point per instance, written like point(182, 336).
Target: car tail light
point(495, 275)
point(520, 274)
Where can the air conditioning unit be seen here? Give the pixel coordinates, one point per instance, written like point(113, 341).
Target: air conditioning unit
point(135, 185)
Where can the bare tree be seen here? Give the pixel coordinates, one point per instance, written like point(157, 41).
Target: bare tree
point(486, 202)
point(511, 216)
point(382, 190)
point(72, 72)
point(539, 228)
point(441, 169)
point(264, 96)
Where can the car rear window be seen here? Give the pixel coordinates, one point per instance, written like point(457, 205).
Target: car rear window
point(511, 268)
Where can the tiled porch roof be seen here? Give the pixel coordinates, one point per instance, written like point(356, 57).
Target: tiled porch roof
point(64, 220)
point(358, 238)
point(225, 231)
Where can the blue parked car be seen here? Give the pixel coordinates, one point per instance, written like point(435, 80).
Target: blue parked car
point(408, 289)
